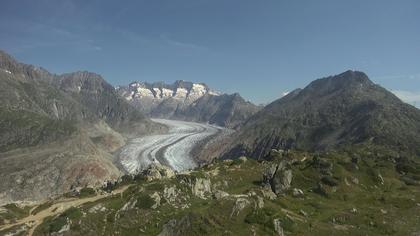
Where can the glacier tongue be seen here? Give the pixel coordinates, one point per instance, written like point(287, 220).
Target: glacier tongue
point(173, 149)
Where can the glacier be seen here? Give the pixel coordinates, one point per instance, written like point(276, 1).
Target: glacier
point(172, 149)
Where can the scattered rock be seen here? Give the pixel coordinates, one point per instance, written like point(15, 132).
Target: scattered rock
point(252, 193)
point(220, 194)
point(97, 208)
point(260, 202)
point(297, 192)
point(170, 194)
point(240, 204)
point(353, 210)
point(354, 180)
point(243, 159)
point(129, 205)
point(268, 193)
point(302, 212)
point(277, 227)
point(346, 181)
point(156, 197)
point(381, 179)
point(384, 211)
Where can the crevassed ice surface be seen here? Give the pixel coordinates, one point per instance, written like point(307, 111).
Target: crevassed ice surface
point(174, 147)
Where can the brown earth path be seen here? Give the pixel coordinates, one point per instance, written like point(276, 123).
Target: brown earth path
point(33, 221)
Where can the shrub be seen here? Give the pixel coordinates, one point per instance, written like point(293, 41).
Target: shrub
point(144, 201)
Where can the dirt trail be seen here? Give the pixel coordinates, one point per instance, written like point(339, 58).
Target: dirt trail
point(34, 221)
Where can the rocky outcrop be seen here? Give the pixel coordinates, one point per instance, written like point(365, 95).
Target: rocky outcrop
point(277, 227)
point(201, 188)
point(157, 171)
point(156, 198)
point(278, 177)
point(219, 194)
point(240, 204)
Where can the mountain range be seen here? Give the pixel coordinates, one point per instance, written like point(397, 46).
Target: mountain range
point(188, 101)
point(61, 132)
point(338, 157)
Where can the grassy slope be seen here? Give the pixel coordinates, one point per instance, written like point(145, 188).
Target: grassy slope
point(366, 208)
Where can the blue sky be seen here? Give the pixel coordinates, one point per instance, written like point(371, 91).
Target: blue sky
point(257, 48)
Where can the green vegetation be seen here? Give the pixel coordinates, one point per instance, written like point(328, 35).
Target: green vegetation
point(13, 212)
point(354, 191)
point(87, 192)
point(42, 207)
point(36, 128)
point(144, 201)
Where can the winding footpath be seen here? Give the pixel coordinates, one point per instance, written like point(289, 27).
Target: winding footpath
point(33, 221)
point(173, 148)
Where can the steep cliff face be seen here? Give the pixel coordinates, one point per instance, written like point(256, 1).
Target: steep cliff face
point(188, 101)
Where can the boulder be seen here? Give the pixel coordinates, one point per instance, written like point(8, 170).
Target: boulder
point(281, 181)
point(297, 192)
point(278, 177)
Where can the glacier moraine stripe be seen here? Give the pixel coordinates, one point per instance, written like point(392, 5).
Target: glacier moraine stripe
point(172, 149)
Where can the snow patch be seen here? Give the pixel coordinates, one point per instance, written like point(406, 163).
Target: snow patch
point(167, 93)
point(7, 71)
point(181, 93)
point(144, 92)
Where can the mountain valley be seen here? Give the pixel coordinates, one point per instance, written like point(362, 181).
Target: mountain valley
point(80, 157)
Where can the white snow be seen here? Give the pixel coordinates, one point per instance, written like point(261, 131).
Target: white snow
point(181, 93)
point(144, 92)
point(174, 147)
point(197, 91)
point(135, 84)
point(214, 93)
point(7, 71)
point(167, 93)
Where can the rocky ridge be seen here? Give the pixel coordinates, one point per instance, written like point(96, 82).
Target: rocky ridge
point(58, 132)
point(188, 101)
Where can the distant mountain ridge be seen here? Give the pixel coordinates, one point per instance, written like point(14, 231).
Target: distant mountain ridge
point(337, 110)
point(188, 101)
